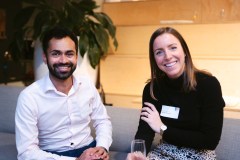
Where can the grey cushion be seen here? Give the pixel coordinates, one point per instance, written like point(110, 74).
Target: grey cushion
point(229, 145)
point(8, 101)
point(125, 123)
point(117, 155)
point(123, 134)
point(8, 149)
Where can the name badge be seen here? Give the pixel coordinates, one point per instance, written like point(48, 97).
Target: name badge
point(170, 111)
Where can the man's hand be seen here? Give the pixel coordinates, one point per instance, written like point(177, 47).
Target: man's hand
point(96, 153)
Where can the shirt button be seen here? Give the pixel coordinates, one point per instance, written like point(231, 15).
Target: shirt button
point(72, 143)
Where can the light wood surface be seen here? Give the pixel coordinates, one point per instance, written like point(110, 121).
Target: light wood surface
point(173, 11)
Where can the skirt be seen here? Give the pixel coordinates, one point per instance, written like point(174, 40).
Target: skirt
point(167, 151)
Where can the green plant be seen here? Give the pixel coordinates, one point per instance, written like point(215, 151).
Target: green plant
point(95, 29)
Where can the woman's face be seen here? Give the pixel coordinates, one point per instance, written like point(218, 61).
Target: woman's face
point(169, 55)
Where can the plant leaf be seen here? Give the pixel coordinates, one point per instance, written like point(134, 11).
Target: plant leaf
point(94, 55)
point(73, 14)
point(41, 22)
point(102, 38)
point(108, 25)
point(83, 44)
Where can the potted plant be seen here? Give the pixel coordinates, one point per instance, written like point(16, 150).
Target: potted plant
point(95, 29)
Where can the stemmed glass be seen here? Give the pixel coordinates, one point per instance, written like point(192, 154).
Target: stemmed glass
point(138, 145)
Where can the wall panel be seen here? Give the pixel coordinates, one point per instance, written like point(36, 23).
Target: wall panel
point(213, 46)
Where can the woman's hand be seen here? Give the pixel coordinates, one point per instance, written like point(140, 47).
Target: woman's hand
point(150, 115)
point(136, 156)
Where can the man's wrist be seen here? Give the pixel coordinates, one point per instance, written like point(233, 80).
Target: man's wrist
point(105, 149)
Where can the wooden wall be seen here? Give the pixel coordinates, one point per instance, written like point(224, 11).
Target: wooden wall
point(213, 42)
point(152, 12)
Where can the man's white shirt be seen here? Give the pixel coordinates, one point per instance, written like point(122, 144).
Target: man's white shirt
point(47, 119)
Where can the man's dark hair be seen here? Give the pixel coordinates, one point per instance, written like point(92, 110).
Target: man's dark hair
point(58, 32)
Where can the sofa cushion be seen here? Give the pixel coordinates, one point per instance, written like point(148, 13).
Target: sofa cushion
point(114, 155)
point(125, 123)
point(8, 101)
point(8, 149)
point(229, 145)
point(123, 134)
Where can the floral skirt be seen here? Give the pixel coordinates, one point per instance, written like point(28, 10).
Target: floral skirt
point(167, 151)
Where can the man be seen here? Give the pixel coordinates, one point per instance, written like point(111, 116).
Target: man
point(53, 114)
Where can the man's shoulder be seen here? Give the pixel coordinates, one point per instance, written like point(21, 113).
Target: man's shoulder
point(34, 87)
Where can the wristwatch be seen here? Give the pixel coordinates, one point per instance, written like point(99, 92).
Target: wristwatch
point(162, 128)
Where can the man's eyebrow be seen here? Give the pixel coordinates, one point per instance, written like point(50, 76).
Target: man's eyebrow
point(59, 51)
point(55, 50)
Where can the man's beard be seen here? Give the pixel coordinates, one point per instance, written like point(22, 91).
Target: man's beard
point(61, 75)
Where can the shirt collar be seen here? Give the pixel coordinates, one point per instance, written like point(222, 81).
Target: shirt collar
point(47, 84)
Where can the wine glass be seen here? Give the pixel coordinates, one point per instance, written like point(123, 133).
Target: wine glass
point(138, 145)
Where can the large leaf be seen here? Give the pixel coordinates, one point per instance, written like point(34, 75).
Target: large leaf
point(102, 37)
point(108, 25)
point(73, 15)
point(94, 55)
point(41, 21)
point(83, 44)
point(106, 22)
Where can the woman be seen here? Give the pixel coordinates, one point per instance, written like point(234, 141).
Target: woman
point(180, 102)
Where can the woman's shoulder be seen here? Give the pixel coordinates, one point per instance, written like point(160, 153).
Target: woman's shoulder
point(206, 79)
point(147, 85)
point(204, 75)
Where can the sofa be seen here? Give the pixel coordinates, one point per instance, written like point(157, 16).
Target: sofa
point(124, 121)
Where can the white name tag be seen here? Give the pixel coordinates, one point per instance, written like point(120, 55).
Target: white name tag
point(170, 111)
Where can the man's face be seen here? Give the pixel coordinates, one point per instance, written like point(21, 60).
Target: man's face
point(61, 58)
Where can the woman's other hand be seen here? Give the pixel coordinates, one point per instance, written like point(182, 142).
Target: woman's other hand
point(150, 115)
point(136, 156)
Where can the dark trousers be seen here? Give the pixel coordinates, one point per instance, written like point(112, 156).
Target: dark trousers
point(75, 152)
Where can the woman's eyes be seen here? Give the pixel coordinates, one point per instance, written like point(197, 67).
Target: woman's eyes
point(159, 52)
point(173, 48)
point(162, 51)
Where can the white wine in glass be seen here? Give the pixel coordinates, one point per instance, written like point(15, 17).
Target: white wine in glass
point(138, 145)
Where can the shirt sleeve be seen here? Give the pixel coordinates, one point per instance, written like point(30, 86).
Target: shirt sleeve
point(101, 122)
point(27, 132)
